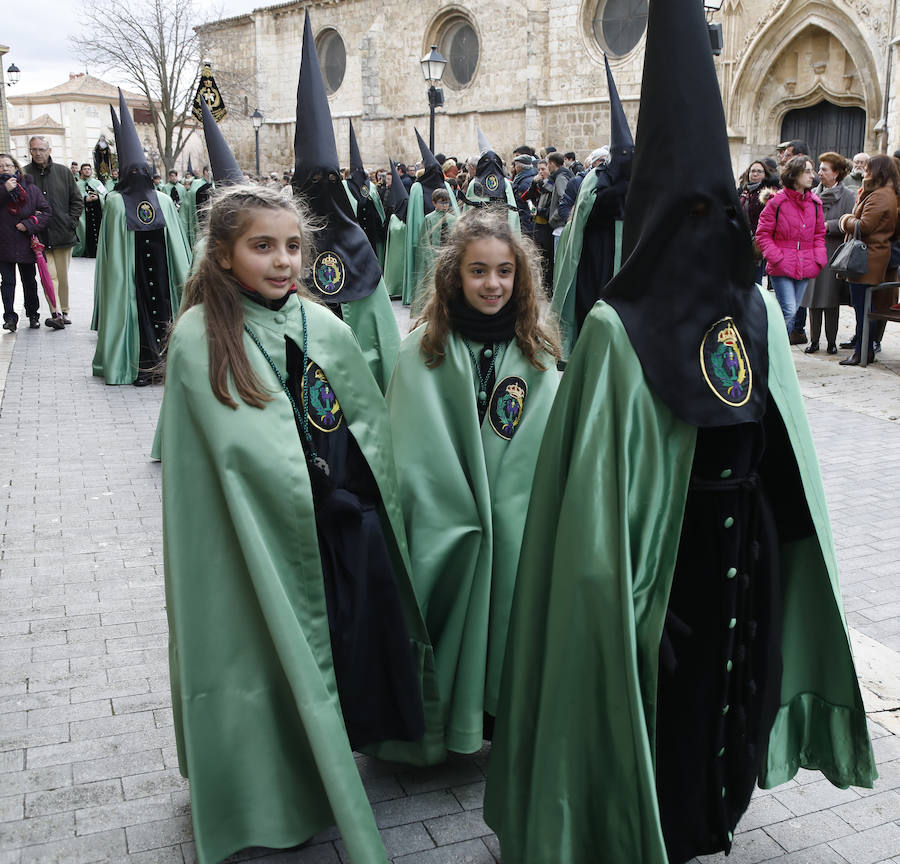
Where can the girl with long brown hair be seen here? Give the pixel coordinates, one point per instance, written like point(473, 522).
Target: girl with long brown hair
point(468, 402)
point(293, 627)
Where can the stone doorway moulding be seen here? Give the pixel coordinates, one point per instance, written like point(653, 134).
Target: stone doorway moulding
point(813, 36)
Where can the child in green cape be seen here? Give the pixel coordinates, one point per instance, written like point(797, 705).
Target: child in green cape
point(468, 402)
point(294, 632)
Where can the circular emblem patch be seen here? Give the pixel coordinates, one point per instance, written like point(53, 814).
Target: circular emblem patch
point(145, 212)
point(328, 273)
point(507, 406)
point(492, 182)
point(364, 191)
point(323, 409)
point(725, 364)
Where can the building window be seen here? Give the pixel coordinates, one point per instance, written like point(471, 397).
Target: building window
point(455, 35)
point(332, 59)
point(620, 24)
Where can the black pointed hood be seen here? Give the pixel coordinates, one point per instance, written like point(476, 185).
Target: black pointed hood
point(189, 169)
point(116, 127)
point(142, 210)
point(345, 268)
point(358, 183)
point(358, 176)
point(398, 196)
point(490, 176)
point(620, 137)
point(224, 167)
point(686, 292)
point(433, 178)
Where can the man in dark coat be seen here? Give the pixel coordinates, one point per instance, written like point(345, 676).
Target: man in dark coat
point(58, 185)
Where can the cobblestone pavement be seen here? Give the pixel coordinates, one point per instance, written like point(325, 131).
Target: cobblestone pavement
point(87, 758)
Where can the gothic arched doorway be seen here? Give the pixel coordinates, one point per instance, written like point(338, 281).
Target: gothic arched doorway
point(827, 127)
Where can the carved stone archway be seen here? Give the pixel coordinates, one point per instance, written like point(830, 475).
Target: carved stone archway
point(796, 60)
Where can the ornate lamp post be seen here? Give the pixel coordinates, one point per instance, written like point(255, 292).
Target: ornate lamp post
point(13, 73)
point(257, 119)
point(433, 65)
point(715, 28)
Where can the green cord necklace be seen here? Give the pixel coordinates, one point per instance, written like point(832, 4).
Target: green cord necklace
point(491, 354)
point(303, 418)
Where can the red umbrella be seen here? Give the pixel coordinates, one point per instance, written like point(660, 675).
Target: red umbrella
point(46, 279)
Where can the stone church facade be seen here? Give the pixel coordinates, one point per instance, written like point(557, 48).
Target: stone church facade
point(532, 72)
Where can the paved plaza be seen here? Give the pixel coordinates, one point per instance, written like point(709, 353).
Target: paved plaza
point(88, 769)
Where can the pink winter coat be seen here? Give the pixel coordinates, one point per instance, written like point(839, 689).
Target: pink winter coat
point(791, 234)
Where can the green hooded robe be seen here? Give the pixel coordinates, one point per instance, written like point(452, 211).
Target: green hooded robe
point(396, 264)
point(465, 490)
point(85, 186)
point(187, 212)
point(415, 222)
point(115, 303)
point(379, 207)
point(571, 776)
point(258, 722)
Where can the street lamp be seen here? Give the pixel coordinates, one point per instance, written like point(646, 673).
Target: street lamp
point(257, 119)
point(13, 72)
point(433, 69)
point(716, 40)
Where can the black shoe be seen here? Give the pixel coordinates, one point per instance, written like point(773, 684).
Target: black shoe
point(812, 348)
point(850, 344)
point(797, 337)
point(10, 322)
point(55, 322)
point(65, 316)
point(34, 321)
point(831, 349)
point(852, 360)
point(143, 379)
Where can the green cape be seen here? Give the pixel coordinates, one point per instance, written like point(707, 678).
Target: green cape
point(426, 255)
point(379, 207)
point(567, 259)
point(81, 230)
point(396, 264)
point(465, 493)
point(372, 320)
point(258, 723)
point(415, 221)
point(187, 211)
point(572, 766)
point(115, 303)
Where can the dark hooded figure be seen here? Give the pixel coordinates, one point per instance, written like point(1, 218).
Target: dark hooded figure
point(142, 264)
point(224, 167)
point(587, 256)
point(432, 177)
point(345, 273)
point(396, 264)
point(364, 200)
point(677, 542)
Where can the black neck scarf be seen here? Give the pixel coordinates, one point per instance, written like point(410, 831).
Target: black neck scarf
point(475, 325)
point(259, 300)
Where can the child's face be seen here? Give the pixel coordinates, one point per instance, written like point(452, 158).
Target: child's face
point(266, 257)
point(488, 274)
point(442, 205)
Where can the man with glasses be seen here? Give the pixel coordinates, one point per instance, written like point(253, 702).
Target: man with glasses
point(58, 183)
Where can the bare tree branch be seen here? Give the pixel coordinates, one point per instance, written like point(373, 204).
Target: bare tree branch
point(156, 49)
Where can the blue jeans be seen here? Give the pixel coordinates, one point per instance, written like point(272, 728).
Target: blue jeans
point(789, 292)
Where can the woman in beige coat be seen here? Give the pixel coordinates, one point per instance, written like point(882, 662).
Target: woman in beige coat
point(876, 215)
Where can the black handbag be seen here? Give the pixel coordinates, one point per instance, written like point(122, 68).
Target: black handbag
point(851, 258)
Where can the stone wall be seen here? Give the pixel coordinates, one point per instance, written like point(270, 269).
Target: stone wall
point(540, 77)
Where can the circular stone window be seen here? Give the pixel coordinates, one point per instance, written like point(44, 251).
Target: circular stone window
point(457, 40)
point(332, 59)
point(620, 24)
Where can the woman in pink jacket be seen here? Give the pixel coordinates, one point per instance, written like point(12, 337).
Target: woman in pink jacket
point(791, 235)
